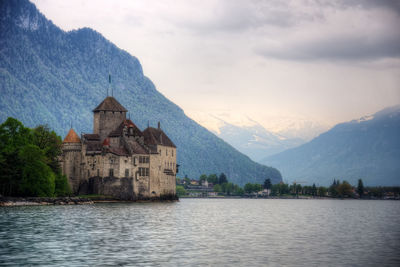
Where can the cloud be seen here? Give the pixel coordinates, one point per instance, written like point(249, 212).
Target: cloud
point(353, 32)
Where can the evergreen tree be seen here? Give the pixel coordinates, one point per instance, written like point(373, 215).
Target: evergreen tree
point(267, 183)
point(360, 188)
point(314, 190)
point(222, 179)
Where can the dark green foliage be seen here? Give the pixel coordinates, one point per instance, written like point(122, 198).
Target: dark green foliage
point(345, 189)
point(314, 190)
point(54, 77)
point(13, 137)
point(252, 188)
point(62, 187)
point(267, 183)
point(222, 179)
point(37, 178)
point(360, 188)
point(50, 143)
point(212, 178)
point(28, 161)
point(202, 178)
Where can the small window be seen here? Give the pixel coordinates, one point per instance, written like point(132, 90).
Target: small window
point(172, 152)
point(126, 172)
point(166, 152)
point(111, 172)
point(147, 172)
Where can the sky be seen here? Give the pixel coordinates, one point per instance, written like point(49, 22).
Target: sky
point(329, 61)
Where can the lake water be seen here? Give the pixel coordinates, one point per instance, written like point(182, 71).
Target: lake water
point(214, 232)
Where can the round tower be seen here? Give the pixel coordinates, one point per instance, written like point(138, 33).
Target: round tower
point(72, 158)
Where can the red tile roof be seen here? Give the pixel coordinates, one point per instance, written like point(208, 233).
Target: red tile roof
point(72, 137)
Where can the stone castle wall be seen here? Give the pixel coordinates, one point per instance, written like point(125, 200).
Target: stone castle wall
point(107, 121)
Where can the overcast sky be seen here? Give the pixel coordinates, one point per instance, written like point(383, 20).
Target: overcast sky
point(328, 60)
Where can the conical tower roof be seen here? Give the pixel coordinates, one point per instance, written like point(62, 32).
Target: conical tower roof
point(110, 104)
point(72, 137)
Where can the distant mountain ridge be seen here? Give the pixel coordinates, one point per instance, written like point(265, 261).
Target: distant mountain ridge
point(247, 136)
point(367, 148)
point(56, 77)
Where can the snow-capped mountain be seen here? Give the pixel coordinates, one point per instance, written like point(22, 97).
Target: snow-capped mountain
point(255, 139)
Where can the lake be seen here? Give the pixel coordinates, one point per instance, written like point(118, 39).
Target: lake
point(193, 232)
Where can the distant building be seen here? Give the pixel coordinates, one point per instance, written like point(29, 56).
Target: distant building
point(118, 159)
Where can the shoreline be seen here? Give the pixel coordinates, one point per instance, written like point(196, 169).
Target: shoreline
point(47, 201)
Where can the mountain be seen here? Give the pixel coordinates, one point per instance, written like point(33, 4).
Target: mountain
point(49, 76)
point(367, 148)
point(246, 135)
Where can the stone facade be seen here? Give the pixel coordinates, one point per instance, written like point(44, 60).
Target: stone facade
point(118, 159)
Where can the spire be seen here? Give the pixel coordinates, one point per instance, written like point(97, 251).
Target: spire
point(109, 82)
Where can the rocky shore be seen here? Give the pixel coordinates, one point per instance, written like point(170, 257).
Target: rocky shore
point(35, 201)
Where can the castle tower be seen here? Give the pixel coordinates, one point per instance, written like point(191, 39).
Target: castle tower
point(72, 158)
point(107, 117)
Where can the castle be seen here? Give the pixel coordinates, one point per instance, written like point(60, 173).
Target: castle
point(118, 159)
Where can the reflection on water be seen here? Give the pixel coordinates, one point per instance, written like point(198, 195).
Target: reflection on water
point(192, 232)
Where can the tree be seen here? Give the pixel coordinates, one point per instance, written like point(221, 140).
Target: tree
point(314, 190)
point(187, 180)
point(239, 191)
point(180, 190)
point(267, 183)
point(217, 188)
point(222, 178)
point(360, 188)
point(37, 178)
point(62, 187)
point(13, 137)
point(333, 189)
point(248, 188)
point(345, 189)
point(212, 178)
point(50, 143)
point(322, 191)
point(202, 178)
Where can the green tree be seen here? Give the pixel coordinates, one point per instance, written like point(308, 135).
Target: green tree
point(222, 179)
point(13, 137)
point(50, 143)
point(248, 188)
point(360, 188)
point(239, 191)
point(314, 190)
point(345, 189)
point(62, 187)
point(267, 183)
point(212, 178)
point(202, 178)
point(37, 177)
point(180, 190)
point(333, 189)
point(217, 188)
point(322, 191)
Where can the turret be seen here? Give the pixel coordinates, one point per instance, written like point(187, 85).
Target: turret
point(72, 148)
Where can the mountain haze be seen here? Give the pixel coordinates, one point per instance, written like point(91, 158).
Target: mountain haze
point(367, 148)
point(53, 77)
point(247, 135)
